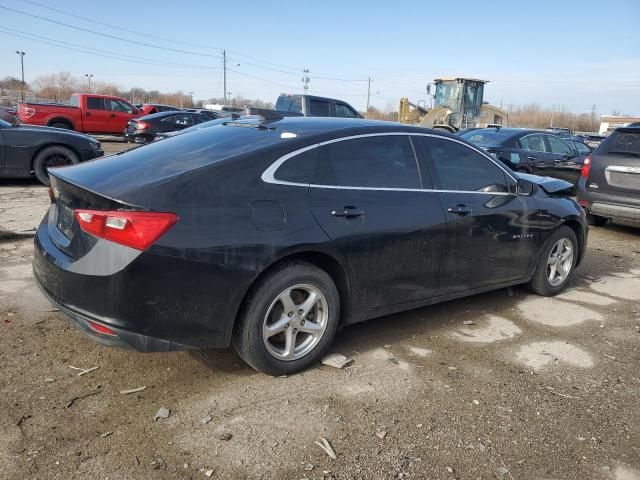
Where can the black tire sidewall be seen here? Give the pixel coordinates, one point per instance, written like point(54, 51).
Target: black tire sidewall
point(62, 125)
point(540, 283)
point(247, 339)
point(38, 162)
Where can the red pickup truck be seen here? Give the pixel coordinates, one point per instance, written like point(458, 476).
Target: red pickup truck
point(86, 113)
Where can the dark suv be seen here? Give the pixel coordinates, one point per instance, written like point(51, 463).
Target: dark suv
point(609, 186)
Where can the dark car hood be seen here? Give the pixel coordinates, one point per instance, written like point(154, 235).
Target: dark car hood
point(548, 184)
point(62, 131)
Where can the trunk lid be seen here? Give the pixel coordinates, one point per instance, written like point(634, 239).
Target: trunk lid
point(615, 164)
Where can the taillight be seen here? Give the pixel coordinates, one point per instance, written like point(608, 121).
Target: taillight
point(96, 327)
point(137, 230)
point(586, 167)
point(26, 112)
point(142, 125)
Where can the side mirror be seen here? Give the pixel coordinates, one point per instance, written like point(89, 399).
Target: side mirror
point(525, 187)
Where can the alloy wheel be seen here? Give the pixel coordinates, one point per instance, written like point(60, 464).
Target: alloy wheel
point(295, 322)
point(57, 160)
point(560, 262)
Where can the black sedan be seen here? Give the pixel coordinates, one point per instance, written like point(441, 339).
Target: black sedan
point(530, 151)
point(27, 150)
point(270, 235)
point(144, 129)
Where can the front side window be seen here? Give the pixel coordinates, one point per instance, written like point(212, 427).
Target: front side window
point(557, 145)
point(343, 110)
point(373, 162)
point(319, 108)
point(95, 103)
point(118, 106)
point(460, 168)
point(534, 143)
point(297, 169)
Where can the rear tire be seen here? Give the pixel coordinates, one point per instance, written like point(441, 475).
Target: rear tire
point(288, 320)
point(54, 156)
point(596, 220)
point(556, 264)
point(63, 125)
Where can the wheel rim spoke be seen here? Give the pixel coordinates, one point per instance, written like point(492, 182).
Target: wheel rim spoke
point(295, 322)
point(560, 262)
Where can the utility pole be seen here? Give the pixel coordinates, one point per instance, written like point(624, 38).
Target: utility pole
point(22, 54)
point(224, 67)
point(89, 77)
point(306, 79)
point(366, 112)
point(593, 115)
point(553, 109)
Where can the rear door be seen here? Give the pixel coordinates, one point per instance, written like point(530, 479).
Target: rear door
point(366, 194)
point(537, 154)
point(95, 115)
point(319, 108)
point(489, 236)
point(615, 165)
point(566, 164)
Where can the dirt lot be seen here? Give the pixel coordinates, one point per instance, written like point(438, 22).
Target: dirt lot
point(534, 388)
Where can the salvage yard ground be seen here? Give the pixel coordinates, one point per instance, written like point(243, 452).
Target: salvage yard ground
point(501, 385)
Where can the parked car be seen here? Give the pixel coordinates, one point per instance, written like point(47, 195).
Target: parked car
point(609, 186)
point(208, 124)
point(8, 114)
point(579, 145)
point(149, 108)
point(85, 113)
point(27, 150)
point(530, 151)
point(211, 114)
point(144, 129)
point(269, 236)
point(561, 132)
point(312, 106)
point(594, 140)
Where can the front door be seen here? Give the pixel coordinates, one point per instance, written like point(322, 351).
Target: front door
point(566, 165)
point(366, 194)
point(120, 112)
point(490, 238)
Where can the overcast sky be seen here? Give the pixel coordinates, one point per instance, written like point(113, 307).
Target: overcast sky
point(571, 54)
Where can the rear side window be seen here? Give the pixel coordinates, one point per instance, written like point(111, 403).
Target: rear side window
point(374, 162)
point(94, 103)
point(319, 108)
point(458, 167)
point(287, 103)
point(534, 143)
point(620, 143)
point(297, 169)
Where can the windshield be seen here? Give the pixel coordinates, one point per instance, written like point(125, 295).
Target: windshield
point(487, 137)
point(4, 124)
point(621, 142)
point(447, 94)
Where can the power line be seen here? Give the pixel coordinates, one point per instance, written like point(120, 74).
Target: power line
point(108, 35)
point(116, 27)
point(93, 51)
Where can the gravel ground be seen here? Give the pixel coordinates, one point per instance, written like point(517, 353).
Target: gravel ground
point(502, 385)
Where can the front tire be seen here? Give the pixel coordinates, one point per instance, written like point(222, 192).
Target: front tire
point(596, 220)
point(62, 125)
point(54, 156)
point(556, 264)
point(288, 320)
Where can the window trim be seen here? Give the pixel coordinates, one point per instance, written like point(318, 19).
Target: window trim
point(268, 174)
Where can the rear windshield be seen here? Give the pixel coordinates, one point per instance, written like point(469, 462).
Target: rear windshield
point(289, 103)
point(487, 137)
point(621, 142)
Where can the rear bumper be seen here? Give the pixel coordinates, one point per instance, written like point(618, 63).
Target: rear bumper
point(153, 303)
point(609, 206)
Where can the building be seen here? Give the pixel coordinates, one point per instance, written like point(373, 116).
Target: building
point(608, 123)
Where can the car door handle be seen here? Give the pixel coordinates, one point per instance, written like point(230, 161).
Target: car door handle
point(348, 212)
point(113, 115)
point(88, 114)
point(532, 158)
point(459, 210)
